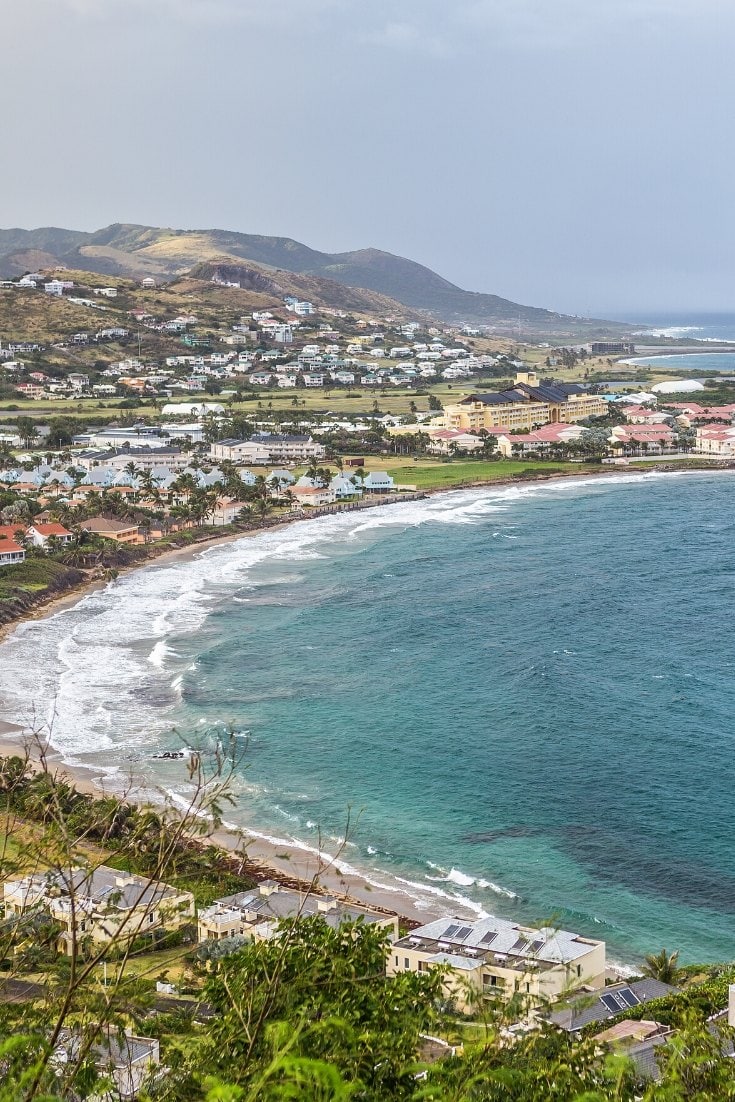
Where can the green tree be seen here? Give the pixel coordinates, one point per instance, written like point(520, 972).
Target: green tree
point(662, 966)
point(320, 994)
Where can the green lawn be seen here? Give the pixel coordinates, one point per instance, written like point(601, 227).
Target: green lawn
point(438, 475)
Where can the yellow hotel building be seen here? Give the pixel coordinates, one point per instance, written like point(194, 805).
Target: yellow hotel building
point(525, 405)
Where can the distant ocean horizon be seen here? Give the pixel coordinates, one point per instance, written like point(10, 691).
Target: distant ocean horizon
point(695, 325)
point(521, 695)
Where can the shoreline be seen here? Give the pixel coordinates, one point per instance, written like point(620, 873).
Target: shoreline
point(268, 857)
point(46, 607)
point(263, 858)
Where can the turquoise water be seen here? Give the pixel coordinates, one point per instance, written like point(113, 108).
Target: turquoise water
point(717, 363)
point(525, 695)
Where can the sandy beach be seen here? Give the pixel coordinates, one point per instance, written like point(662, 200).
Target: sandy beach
point(265, 859)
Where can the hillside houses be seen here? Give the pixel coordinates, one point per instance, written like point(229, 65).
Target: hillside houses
point(99, 905)
point(256, 914)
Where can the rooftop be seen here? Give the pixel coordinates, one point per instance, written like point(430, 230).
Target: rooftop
point(463, 943)
point(271, 902)
point(613, 1000)
point(102, 886)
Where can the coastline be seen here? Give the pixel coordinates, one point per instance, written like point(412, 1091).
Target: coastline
point(46, 607)
point(271, 858)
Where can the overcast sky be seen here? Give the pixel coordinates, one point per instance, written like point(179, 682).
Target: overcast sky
point(574, 154)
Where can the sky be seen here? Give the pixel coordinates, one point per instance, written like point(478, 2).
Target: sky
point(573, 154)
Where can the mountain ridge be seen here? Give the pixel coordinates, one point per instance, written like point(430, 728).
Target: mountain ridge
point(131, 249)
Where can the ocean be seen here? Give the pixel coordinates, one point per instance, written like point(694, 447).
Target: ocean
point(687, 326)
point(522, 696)
point(712, 328)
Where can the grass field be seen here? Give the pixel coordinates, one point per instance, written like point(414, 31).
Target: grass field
point(435, 476)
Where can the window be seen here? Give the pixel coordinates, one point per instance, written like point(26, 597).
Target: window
point(396, 960)
point(406, 962)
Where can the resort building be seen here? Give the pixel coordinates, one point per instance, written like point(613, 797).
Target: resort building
point(540, 440)
point(101, 904)
point(494, 958)
point(267, 448)
point(256, 913)
point(527, 404)
point(447, 441)
point(648, 439)
point(718, 440)
point(612, 348)
point(118, 530)
point(294, 449)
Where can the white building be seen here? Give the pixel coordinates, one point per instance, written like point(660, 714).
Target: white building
point(493, 958)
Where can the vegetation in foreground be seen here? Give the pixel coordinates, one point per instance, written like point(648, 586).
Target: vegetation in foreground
point(308, 1015)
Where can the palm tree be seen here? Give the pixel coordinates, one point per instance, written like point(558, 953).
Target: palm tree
point(662, 966)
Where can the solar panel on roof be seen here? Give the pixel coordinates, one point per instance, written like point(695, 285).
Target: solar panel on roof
point(535, 946)
point(463, 931)
point(629, 997)
point(611, 1003)
point(450, 931)
point(488, 937)
point(520, 945)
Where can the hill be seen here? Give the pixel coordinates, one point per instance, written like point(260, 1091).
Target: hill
point(137, 251)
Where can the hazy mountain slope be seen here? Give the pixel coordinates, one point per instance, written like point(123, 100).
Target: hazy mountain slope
point(133, 250)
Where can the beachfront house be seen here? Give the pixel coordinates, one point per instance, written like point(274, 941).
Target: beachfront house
point(493, 958)
point(378, 482)
point(255, 914)
point(40, 533)
point(307, 491)
point(100, 904)
point(118, 530)
point(10, 552)
point(344, 488)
